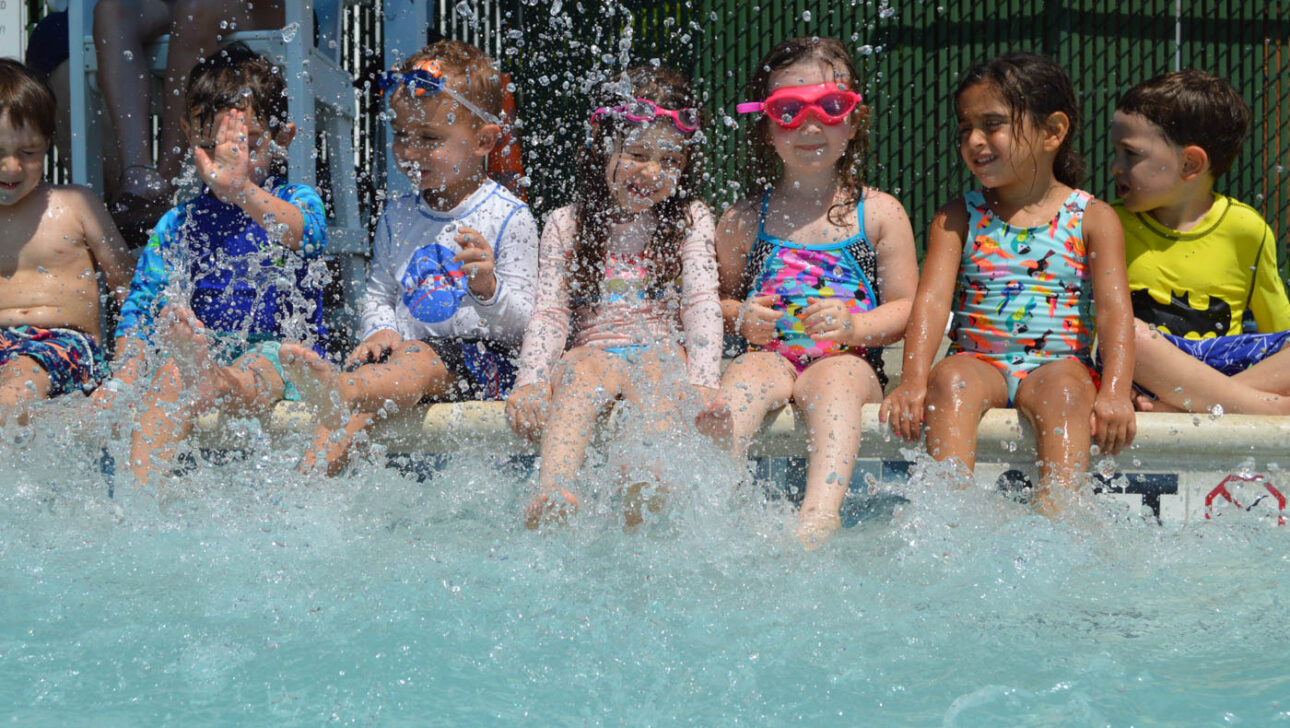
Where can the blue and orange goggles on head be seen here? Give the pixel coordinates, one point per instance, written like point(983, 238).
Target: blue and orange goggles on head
point(788, 106)
point(426, 79)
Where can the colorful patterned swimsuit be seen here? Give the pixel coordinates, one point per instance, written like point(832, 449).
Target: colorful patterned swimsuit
point(1023, 297)
point(795, 272)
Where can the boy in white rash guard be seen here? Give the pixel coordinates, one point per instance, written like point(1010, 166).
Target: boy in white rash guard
point(454, 266)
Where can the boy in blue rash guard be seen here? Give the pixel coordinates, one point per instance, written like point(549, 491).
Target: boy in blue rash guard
point(225, 276)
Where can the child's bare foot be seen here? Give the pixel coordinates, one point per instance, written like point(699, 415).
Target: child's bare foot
point(716, 421)
point(316, 380)
point(551, 507)
point(815, 528)
point(329, 451)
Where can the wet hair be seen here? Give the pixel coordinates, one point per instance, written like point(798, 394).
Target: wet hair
point(594, 202)
point(766, 164)
point(26, 99)
point(474, 75)
point(1193, 108)
point(236, 77)
point(1035, 86)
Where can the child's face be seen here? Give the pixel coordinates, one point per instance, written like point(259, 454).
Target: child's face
point(22, 160)
point(645, 168)
point(992, 145)
point(814, 145)
point(1147, 167)
point(438, 143)
point(259, 145)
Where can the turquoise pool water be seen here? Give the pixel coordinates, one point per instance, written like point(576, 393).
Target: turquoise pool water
point(247, 596)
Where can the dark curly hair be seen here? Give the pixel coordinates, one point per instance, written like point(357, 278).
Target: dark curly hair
point(594, 203)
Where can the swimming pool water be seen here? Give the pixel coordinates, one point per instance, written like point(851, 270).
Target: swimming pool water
point(248, 595)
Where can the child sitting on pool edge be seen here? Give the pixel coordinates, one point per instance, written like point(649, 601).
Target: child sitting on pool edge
point(1022, 264)
point(453, 267)
point(224, 276)
point(1198, 261)
point(54, 238)
point(817, 272)
point(628, 280)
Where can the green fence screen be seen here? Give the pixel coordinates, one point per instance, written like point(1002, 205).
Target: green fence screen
point(909, 54)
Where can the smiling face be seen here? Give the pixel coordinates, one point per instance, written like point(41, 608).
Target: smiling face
point(439, 144)
point(814, 145)
point(22, 160)
point(1147, 168)
point(994, 146)
point(645, 168)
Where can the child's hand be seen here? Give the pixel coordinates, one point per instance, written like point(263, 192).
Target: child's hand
point(526, 409)
point(476, 257)
point(828, 319)
point(902, 410)
point(1113, 422)
point(226, 167)
point(757, 320)
point(375, 347)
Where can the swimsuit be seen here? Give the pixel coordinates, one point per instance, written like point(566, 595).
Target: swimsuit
point(1023, 297)
point(795, 272)
point(71, 358)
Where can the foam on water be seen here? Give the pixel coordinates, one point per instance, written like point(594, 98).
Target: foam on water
point(246, 594)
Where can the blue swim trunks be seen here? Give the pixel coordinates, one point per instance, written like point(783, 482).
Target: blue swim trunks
point(1232, 354)
point(71, 358)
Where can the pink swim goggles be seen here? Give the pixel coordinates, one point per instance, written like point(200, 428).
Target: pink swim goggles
point(830, 102)
point(643, 111)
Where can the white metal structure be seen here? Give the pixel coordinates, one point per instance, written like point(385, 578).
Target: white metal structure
point(320, 96)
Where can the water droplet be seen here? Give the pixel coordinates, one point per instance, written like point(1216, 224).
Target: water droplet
point(865, 50)
point(556, 6)
point(886, 11)
point(1216, 412)
point(806, 16)
point(129, 55)
point(1106, 468)
point(465, 10)
point(289, 32)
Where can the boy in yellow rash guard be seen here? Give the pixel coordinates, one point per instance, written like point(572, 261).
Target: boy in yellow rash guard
point(1197, 260)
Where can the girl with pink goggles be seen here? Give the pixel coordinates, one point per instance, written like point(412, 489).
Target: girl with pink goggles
point(787, 106)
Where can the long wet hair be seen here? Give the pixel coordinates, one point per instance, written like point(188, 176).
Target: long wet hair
point(595, 207)
point(1035, 86)
point(766, 164)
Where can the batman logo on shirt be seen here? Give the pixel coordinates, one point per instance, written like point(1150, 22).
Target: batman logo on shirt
point(1179, 317)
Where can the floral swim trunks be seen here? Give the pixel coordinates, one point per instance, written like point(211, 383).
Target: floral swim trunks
point(71, 358)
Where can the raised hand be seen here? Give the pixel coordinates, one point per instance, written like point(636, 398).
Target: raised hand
point(225, 164)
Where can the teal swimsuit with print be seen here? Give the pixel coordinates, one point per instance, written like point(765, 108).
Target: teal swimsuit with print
point(1023, 296)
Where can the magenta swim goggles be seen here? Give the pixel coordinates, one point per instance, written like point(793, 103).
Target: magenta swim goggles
point(787, 107)
point(643, 111)
point(426, 79)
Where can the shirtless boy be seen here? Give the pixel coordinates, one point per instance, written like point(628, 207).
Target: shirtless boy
point(53, 240)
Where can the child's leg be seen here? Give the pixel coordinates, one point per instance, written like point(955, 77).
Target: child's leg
point(586, 381)
point(188, 385)
point(1184, 383)
point(1058, 399)
point(961, 388)
point(753, 385)
point(412, 372)
point(22, 381)
point(830, 393)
